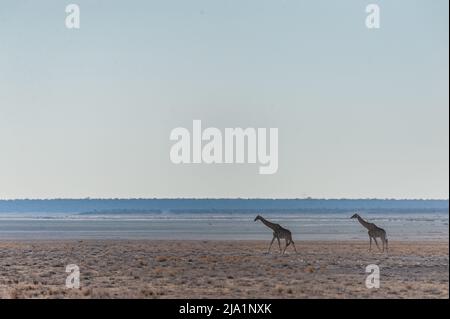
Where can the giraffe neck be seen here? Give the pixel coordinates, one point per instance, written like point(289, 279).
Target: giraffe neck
point(364, 223)
point(268, 224)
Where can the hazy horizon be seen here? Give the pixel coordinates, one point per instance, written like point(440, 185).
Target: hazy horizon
point(230, 198)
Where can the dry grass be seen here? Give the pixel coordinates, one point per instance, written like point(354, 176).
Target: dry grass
point(220, 269)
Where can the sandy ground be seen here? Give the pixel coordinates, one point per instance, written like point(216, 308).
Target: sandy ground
point(220, 269)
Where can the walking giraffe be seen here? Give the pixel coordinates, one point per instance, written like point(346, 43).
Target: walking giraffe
point(278, 232)
point(374, 232)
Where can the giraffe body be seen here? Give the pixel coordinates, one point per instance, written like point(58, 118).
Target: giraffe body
point(279, 232)
point(374, 232)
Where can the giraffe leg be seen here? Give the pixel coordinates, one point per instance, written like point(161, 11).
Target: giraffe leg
point(294, 246)
point(370, 246)
point(376, 242)
point(385, 243)
point(271, 244)
point(287, 242)
point(279, 244)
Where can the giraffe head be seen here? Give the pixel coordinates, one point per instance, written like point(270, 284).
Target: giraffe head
point(257, 217)
point(355, 216)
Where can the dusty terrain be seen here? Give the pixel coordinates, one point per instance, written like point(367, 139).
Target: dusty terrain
point(219, 269)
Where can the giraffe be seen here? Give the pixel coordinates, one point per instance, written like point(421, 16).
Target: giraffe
point(278, 232)
point(374, 232)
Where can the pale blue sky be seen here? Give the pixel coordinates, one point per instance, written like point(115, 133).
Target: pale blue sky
point(361, 113)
